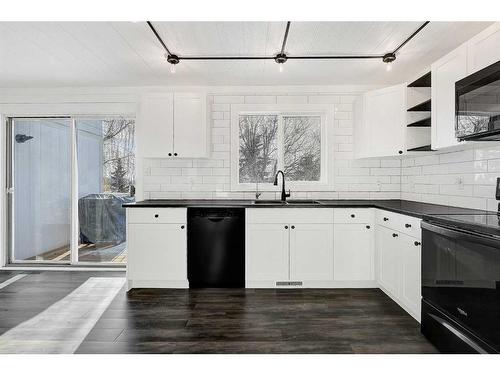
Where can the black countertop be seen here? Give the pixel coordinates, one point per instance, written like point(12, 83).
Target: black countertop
point(411, 208)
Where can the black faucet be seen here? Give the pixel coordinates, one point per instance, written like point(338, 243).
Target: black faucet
point(284, 195)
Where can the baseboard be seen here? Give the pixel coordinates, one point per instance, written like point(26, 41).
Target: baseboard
point(173, 284)
point(326, 284)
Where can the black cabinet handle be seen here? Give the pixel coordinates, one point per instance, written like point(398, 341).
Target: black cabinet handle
point(394, 235)
point(286, 226)
point(182, 226)
point(293, 226)
point(417, 243)
point(368, 227)
point(156, 215)
point(175, 153)
point(407, 225)
point(400, 152)
point(386, 219)
point(169, 154)
point(353, 216)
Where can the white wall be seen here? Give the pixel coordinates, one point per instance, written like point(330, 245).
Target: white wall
point(465, 177)
point(210, 178)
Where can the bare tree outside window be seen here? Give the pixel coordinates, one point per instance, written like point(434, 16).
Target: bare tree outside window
point(302, 148)
point(258, 157)
point(118, 154)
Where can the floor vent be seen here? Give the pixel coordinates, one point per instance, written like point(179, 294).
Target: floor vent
point(288, 283)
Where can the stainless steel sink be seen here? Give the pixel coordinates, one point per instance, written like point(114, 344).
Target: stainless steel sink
point(293, 202)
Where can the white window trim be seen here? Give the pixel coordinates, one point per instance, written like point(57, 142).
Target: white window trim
point(327, 117)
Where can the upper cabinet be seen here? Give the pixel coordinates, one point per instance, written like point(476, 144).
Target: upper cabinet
point(445, 72)
point(483, 49)
point(173, 125)
point(380, 113)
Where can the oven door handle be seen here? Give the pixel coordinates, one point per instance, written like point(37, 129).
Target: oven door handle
point(460, 234)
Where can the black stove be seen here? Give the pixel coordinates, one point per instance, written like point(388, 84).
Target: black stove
point(487, 223)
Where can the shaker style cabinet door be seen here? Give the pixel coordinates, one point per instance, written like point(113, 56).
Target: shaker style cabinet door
point(445, 73)
point(388, 248)
point(385, 114)
point(354, 252)
point(484, 49)
point(267, 252)
point(190, 125)
point(157, 252)
point(411, 274)
point(311, 252)
point(155, 126)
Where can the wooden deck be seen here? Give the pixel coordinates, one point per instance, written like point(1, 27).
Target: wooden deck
point(101, 253)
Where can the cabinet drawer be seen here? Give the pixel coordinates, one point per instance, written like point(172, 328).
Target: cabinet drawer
point(353, 215)
point(401, 223)
point(156, 215)
point(289, 215)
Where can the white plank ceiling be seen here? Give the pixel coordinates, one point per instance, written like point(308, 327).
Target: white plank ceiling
point(56, 54)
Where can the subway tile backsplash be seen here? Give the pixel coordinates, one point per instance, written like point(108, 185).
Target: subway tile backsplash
point(464, 177)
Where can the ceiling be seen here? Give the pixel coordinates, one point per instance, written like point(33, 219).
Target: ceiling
point(58, 54)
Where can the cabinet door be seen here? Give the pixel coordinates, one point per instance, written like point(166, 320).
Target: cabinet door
point(311, 252)
point(388, 260)
point(353, 252)
point(157, 252)
point(267, 252)
point(411, 274)
point(361, 130)
point(190, 125)
point(445, 73)
point(385, 114)
point(155, 127)
point(484, 49)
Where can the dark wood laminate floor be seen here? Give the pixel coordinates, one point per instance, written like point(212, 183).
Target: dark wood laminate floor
point(225, 320)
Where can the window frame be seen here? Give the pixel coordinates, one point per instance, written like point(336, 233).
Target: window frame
point(325, 112)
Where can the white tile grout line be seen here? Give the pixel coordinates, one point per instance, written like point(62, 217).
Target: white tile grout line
point(12, 279)
point(63, 326)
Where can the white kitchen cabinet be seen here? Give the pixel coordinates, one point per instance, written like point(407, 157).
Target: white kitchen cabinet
point(483, 49)
point(381, 112)
point(354, 252)
point(311, 252)
point(411, 274)
point(445, 72)
point(156, 248)
point(155, 128)
point(157, 252)
point(388, 248)
point(173, 125)
point(267, 252)
point(190, 125)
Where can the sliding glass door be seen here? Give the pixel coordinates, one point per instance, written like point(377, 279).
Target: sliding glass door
point(68, 179)
point(41, 198)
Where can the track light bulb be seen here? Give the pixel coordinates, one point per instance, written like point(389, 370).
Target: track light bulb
point(172, 68)
point(388, 67)
point(281, 67)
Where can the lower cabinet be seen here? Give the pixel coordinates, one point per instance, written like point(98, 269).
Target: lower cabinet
point(267, 252)
point(288, 252)
point(354, 252)
point(399, 270)
point(311, 252)
point(156, 249)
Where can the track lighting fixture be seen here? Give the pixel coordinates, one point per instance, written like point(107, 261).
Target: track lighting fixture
point(173, 60)
point(389, 58)
point(282, 57)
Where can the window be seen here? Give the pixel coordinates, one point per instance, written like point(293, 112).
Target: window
point(267, 141)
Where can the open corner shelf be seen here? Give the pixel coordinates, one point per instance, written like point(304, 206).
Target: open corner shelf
point(422, 107)
point(421, 148)
point(424, 81)
point(424, 123)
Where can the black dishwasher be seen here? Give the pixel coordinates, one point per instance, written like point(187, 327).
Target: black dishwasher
point(216, 247)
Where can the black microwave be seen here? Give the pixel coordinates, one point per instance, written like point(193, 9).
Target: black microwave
point(477, 105)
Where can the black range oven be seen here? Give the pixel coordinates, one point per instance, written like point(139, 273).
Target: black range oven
point(460, 289)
